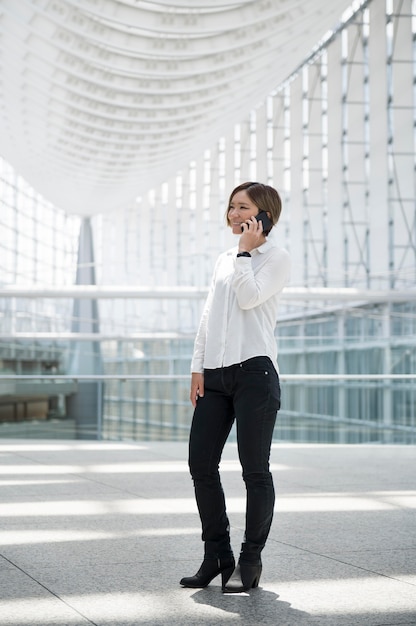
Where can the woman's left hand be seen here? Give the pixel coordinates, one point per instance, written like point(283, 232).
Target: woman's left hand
point(197, 387)
point(252, 236)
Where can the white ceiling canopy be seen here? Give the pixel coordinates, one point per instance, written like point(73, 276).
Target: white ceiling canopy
point(100, 100)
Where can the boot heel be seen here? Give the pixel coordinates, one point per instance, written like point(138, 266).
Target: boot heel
point(255, 582)
point(226, 575)
point(244, 577)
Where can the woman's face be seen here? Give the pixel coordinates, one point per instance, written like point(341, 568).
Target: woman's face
point(240, 210)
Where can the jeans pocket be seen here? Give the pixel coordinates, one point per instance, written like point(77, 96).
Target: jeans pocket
point(259, 375)
point(258, 365)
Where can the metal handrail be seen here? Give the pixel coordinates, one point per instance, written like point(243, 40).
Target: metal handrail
point(122, 377)
point(339, 294)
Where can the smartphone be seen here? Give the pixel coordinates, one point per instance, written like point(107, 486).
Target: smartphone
point(265, 220)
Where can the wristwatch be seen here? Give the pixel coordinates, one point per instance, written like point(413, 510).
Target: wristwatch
point(245, 253)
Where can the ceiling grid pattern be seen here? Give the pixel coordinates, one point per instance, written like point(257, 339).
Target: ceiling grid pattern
point(101, 100)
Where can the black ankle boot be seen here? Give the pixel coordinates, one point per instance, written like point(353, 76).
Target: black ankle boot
point(245, 576)
point(209, 570)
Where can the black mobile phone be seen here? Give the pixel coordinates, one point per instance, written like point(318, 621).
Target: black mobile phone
point(265, 220)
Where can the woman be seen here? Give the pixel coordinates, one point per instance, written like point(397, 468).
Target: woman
point(234, 377)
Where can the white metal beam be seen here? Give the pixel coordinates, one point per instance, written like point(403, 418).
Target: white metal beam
point(303, 294)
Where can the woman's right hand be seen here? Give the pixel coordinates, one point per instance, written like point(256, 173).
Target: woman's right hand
point(197, 387)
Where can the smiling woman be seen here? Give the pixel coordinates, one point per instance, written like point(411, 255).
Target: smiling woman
point(235, 378)
point(249, 200)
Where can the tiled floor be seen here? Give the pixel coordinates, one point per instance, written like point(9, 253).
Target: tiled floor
point(101, 533)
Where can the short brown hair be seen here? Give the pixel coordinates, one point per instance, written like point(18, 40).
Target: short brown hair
point(266, 198)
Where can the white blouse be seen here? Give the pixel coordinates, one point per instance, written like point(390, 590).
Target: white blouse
point(240, 313)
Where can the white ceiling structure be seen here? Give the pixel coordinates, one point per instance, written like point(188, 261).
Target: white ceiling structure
point(101, 100)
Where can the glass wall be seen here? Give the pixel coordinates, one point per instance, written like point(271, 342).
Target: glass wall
point(337, 139)
point(369, 341)
point(38, 246)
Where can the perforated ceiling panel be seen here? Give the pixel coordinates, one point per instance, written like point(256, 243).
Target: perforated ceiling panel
point(102, 99)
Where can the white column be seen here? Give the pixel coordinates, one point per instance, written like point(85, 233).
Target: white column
point(378, 185)
point(402, 148)
point(316, 210)
point(261, 144)
point(245, 151)
point(355, 208)
point(335, 230)
point(297, 243)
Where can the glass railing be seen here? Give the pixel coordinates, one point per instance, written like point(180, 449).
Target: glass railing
point(347, 374)
point(320, 408)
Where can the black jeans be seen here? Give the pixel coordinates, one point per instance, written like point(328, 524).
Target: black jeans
point(249, 393)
